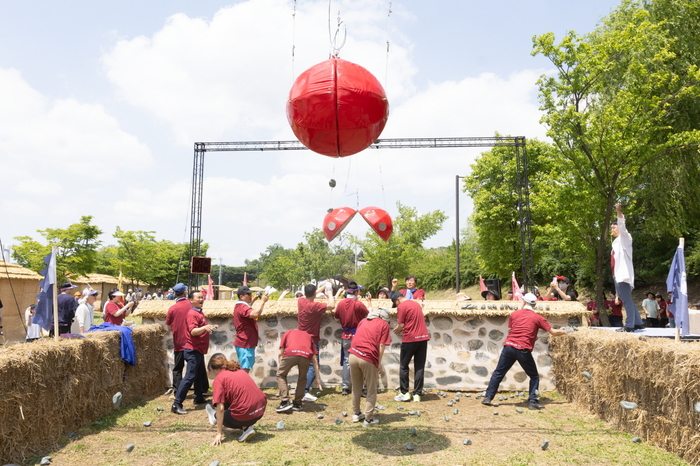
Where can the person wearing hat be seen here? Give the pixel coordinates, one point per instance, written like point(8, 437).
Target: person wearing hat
point(651, 308)
point(411, 291)
point(176, 318)
point(115, 312)
point(349, 312)
point(383, 293)
point(66, 309)
point(366, 352)
point(245, 320)
point(560, 290)
point(524, 325)
point(85, 314)
point(414, 344)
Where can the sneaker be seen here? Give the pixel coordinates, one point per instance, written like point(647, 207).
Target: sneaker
point(211, 412)
point(247, 434)
point(371, 422)
point(284, 406)
point(200, 401)
point(535, 406)
point(625, 329)
point(309, 397)
point(358, 417)
point(416, 398)
point(403, 397)
point(296, 407)
point(345, 392)
point(486, 401)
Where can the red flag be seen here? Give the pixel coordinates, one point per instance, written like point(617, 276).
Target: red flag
point(210, 291)
point(245, 278)
point(517, 291)
point(482, 286)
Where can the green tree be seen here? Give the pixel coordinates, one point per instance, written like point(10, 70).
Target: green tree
point(321, 259)
point(76, 249)
point(394, 258)
point(284, 270)
point(609, 108)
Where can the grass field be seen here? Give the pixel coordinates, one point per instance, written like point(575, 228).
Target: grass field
point(507, 438)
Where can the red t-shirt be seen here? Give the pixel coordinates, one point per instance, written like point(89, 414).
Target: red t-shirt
point(310, 315)
point(195, 319)
point(246, 328)
point(110, 308)
point(370, 334)
point(298, 343)
point(177, 319)
point(350, 312)
point(662, 309)
point(246, 401)
point(615, 308)
point(418, 294)
point(669, 303)
point(524, 325)
point(410, 314)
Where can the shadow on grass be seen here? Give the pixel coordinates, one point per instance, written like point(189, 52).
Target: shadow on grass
point(388, 441)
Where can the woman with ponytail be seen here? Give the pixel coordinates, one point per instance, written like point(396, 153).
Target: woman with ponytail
point(238, 401)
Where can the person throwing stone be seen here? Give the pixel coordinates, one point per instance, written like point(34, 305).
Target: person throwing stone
point(245, 319)
point(349, 312)
point(414, 344)
point(524, 325)
point(296, 349)
point(623, 271)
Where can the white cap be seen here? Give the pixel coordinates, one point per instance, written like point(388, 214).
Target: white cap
point(530, 298)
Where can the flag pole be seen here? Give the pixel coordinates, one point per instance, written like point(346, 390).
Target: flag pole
point(55, 297)
point(681, 244)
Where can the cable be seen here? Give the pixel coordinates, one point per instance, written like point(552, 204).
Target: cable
point(388, 37)
point(14, 296)
point(294, 33)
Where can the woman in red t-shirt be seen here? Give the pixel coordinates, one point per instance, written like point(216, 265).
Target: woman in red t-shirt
point(115, 312)
point(239, 401)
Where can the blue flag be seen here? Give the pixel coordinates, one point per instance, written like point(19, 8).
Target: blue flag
point(676, 284)
point(44, 308)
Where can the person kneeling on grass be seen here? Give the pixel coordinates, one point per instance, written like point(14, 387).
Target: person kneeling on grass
point(523, 325)
point(297, 348)
point(238, 400)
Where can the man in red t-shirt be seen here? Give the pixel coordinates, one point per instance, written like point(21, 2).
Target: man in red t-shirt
point(296, 349)
point(365, 359)
point(414, 344)
point(310, 316)
point(524, 325)
point(245, 319)
point(349, 312)
point(196, 346)
point(176, 318)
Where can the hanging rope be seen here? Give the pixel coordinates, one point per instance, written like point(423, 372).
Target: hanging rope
point(294, 34)
point(388, 37)
point(333, 37)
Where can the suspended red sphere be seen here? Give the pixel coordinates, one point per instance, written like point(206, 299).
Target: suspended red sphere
point(336, 220)
point(379, 220)
point(337, 108)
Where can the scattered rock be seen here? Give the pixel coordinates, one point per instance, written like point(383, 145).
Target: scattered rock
point(467, 441)
point(495, 413)
point(697, 407)
point(628, 405)
point(587, 375)
point(456, 411)
point(130, 447)
point(449, 403)
point(147, 424)
point(447, 418)
point(411, 413)
point(380, 407)
point(215, 463)
point(495, 405)
point(319, 416)
point(410, 447)
point(338, 421)
point(322, 407)
point(413, 431)
point(636, 440)
point(545, 444)
point(512, 396)
point(97, 423)
point(160, 408)
point(280, 425)
point(46, 460)
point(117, 399)
point(468, 395)
point(344, 413)
point(519, 411)
point(71, 435)
point(399, 408)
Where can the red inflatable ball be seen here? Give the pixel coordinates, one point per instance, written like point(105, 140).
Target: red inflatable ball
point(379, 220)
point(336, 221)
point(337, 108)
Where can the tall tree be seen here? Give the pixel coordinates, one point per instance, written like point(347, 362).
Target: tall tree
point(609, 108)
point(76, 249)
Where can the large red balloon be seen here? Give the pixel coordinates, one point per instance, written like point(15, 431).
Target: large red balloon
point(379, 220)
point(337, 108)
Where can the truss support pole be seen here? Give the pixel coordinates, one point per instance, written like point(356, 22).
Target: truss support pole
point(196, 214)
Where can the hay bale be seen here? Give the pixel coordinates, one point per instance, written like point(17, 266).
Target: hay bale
point(50, 388)
point(658, 374)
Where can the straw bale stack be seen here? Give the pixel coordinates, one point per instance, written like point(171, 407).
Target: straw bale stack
point(51, 388)
point(658, 374)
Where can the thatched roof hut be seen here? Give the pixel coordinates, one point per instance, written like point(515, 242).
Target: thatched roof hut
point(18, 290)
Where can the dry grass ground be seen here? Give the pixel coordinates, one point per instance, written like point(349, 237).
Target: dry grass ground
point(508, 438)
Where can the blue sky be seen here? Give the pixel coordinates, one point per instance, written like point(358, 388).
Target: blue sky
point(102, 102)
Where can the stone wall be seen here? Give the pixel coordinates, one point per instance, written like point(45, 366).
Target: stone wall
point(462, 353)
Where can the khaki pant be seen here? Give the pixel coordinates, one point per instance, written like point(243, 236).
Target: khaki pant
point(285, 366)
point(363, 372)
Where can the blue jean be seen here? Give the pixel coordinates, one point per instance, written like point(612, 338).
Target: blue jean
point(508, 357)
point(671, 322)
point(311, 374)
point(195, 368)
point(615, 321)
point(624, 292)
point(346, 384)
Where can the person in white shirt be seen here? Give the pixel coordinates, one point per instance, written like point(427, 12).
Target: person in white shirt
point(623, 271)
point(33, 330)
point(85, 314)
